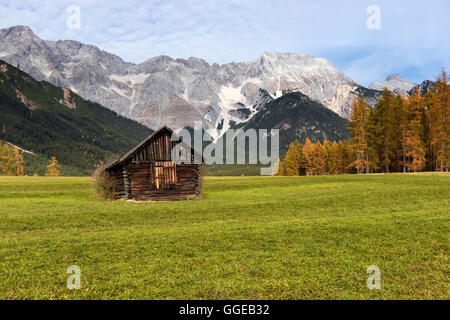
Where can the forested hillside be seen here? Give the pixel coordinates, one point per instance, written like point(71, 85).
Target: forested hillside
point(53, 121)
point(299, 117)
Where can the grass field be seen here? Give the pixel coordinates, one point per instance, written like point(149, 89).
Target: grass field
point(250, 238)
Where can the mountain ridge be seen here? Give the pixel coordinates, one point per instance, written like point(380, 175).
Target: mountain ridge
point(176, 92)
point(299, 117)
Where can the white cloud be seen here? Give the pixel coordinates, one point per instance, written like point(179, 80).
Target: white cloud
point(413, 38)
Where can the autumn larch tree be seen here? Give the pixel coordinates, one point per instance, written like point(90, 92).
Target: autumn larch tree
point(358, 124)
point(319, 159)
point(53, 168)
point(281, 171)
point(439, 118)
point(414, 146)
point(18, 162)
point(308, 156)
point(331, 153)
point(292, 161)
point(7, 160)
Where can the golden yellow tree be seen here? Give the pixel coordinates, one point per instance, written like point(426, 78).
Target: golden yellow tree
point(308, 156)
point(293, 159)
point(53, 168)
point(384, 138)
point(281, 171)
point(319, 159)
point(358, 131)
point(413, 145)
point(439, 115)
point(7, 164)
point(18, 162)
point(405, 132)
point(341, 157)
point(331, 150)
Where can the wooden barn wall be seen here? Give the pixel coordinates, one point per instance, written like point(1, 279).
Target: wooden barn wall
point(119, 180)
point(134, 178)
point(141, 186)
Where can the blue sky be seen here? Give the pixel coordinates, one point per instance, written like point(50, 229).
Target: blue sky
point(414, 39)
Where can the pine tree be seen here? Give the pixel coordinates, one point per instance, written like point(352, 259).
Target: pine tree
point(53, 168)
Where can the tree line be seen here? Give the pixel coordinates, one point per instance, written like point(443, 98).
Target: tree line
point(12, 162)
point(399, 134)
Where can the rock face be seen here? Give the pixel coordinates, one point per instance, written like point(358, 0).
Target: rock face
point(423, 88)
point(177, 92)
point(394, 82)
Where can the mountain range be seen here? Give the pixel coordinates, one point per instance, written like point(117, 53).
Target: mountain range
point(178, 92)
point(301, 95)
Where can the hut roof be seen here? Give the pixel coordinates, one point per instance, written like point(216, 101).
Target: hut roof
point(126, 156)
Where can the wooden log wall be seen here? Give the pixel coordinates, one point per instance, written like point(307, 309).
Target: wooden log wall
point(142, 187)
point(126, 183)
point(118, 180)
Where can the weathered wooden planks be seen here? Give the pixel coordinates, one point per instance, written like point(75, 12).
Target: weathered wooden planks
point(147, 172)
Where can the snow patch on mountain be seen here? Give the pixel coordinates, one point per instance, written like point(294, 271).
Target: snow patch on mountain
point(233, 102)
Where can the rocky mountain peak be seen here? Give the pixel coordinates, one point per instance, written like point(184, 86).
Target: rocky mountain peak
point(394, 82)
point(423, 88)
point(178, 92)
point(393, 77)
point(18, 31)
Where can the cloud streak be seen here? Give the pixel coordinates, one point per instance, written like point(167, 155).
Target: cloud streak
point(413, 39)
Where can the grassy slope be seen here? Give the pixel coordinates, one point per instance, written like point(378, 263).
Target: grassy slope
point(253, 237)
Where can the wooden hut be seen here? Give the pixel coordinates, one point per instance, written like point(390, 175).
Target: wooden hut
point(147, 172)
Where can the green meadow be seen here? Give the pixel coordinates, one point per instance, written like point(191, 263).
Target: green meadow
point(249, 238)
